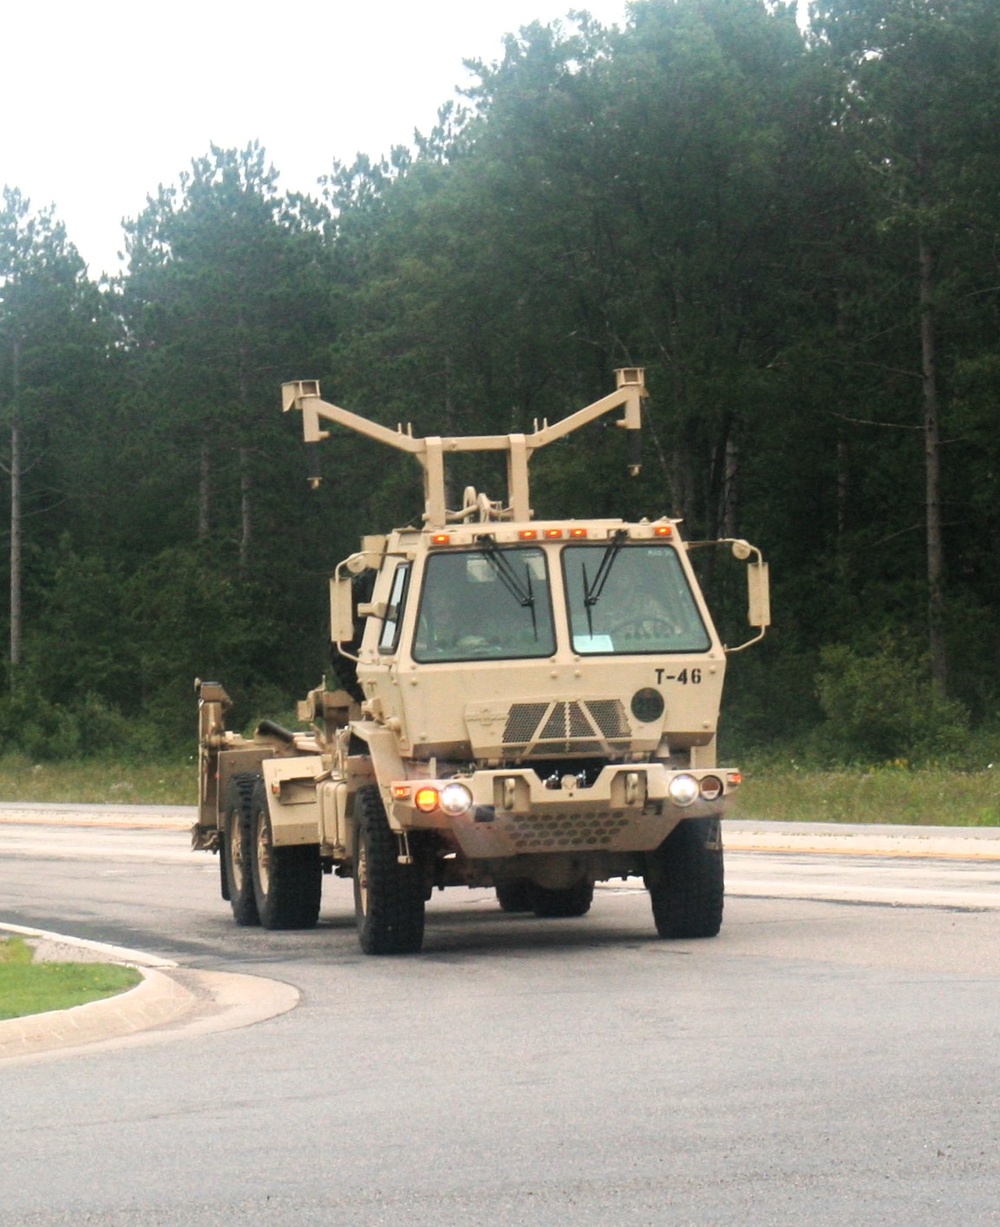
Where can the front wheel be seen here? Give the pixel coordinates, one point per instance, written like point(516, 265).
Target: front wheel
point(686, 881)
point(288, 880)
point(388, 896)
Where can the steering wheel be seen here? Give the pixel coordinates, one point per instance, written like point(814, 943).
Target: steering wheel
point(648, 626)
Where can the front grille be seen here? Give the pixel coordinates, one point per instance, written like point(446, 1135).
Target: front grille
point(564, 832)
point(537, 730)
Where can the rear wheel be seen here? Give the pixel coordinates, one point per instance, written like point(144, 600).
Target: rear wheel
point(573, 901)
point(685, 879)
point(287, 881)
point(388, 896)
point(237, 877)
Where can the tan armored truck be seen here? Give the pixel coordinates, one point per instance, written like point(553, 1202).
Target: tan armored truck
point(529, 705)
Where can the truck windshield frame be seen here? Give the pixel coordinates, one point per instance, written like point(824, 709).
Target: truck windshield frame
point(487, 603)
point(644, 606)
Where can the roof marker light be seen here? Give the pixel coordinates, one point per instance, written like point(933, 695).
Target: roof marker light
point(441, 539)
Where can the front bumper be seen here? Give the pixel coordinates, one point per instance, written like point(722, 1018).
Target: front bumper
point(628, 808)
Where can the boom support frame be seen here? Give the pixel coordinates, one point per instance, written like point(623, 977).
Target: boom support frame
point(430, 452)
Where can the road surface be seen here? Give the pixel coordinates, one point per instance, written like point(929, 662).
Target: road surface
point(832, 1057)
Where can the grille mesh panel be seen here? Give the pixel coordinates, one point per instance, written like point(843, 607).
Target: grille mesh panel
point(565, 746)
point(565, 832)
point(610, 717)
point(522, 720)
point(540, 729)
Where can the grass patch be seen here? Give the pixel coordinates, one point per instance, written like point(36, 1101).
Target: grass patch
point(99, 781)
point(777, 789)
point(893, 795)
point(33, 988)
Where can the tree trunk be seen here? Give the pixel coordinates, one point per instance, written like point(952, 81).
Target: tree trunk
point(246, 506)
point(451, 495)
point(246, 485)
point(932, 469)
point(843, 492)
point(843, 454)
point(729, 517)
point(15, 520)
point(204, 491)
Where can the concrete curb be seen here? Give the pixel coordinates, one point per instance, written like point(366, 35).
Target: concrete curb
point(51, 813)
point(855, 839)
point(95, 951)
point(156, 1002)
point(167, 1004)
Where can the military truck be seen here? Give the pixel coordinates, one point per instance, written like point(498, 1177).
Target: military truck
point(523, 704)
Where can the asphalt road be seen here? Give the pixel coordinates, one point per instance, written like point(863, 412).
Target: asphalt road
point(832, 1057)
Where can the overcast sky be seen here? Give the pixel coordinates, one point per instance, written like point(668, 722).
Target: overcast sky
point(106, 99)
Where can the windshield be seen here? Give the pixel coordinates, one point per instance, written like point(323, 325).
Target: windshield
point(630, 598)
point(485, 604)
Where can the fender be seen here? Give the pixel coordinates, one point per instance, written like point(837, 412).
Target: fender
point(292, 800)
point(387, 764)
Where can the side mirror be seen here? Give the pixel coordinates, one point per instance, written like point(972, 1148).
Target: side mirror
point(758, 590)
point(341, 610)
point(759, 593)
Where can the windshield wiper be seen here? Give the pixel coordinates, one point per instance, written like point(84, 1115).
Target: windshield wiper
point(592, 592)
point(501, 564)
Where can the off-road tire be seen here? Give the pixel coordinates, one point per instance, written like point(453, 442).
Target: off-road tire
point(516, 896)
point(686, 882)
point(223, 876)
point(388, 896)
point(287, 881)
point(237, 876)
point(573, 901)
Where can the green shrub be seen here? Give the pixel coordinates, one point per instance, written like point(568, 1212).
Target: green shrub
point(89, 727)
point(882, 707)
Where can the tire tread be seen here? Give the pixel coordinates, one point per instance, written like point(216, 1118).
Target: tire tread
point(686, 880)
point(239, 796)
point(295, 880)
point(394, 920)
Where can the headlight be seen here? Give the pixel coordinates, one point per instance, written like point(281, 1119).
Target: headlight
point(683, 789)
point(455, 799)
point(711, 788)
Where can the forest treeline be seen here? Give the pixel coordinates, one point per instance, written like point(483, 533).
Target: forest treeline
point(796, 231)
